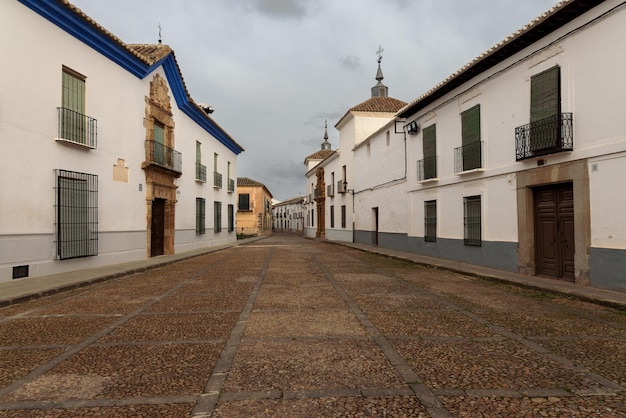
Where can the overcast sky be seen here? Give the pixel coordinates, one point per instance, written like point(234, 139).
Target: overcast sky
point(274, 70)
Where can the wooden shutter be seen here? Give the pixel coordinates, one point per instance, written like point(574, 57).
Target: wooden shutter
point(430, 152)
point(545, 94)
point(470, 138)
point(244, 201)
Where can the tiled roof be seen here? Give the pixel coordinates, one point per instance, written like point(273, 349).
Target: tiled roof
point(152, 52)
point(560, 14)
point(245, 181)
point(320, 155)
point(379, 104)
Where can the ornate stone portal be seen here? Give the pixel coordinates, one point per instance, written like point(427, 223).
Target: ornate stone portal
point(160, 181)
point(320, 199)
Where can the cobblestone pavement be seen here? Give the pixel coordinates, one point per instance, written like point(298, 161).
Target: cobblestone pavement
point(289, 327)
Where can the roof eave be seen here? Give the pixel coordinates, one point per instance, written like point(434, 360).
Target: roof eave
point(537, 29)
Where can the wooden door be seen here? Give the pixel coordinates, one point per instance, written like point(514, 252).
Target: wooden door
point(157, 228)
point(554, 231)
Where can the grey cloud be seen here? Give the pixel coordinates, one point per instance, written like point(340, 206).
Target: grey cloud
point(281, 8)
point(351, 62)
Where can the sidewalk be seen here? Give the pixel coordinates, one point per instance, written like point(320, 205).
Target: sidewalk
point(24, 289)
point(602, 296)
point(21, 290)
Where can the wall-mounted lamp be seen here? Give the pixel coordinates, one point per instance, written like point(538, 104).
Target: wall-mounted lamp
point(412, 128)
point(345, 188)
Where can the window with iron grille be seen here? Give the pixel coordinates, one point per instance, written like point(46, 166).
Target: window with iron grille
point(472, 221)
point(217, 216)
point(430, 221)
point(76, 205)
point(332, 216)
point(343, 216)
point(200, 215)
point(231, 218)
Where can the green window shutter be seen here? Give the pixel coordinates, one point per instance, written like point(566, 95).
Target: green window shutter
point(545, 94)
point(470, 138)
point(430, 152)
point(73, 102)
point(430, 141)
point(470, 124)
point(73, 92)
point(244, 201)
point(545, 108)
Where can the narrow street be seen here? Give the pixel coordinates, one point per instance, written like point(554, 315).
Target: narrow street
point(290, 327)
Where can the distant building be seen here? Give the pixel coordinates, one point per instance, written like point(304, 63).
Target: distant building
point(254, 209)
point(288, 216)
point(331, 181)
point(105, 152)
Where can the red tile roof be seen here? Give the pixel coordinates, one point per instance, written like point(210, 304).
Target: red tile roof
point(379, 104)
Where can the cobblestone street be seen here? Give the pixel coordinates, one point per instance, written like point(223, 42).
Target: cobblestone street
point(290, 327)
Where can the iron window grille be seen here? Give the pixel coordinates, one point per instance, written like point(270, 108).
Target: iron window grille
point(76, 214)
point(217, 180)
point(427, 169)
point(244, 202)
point(200, 172)
point(545, 136)
point(430, 221)
point(468, 157)
point(231, 185)
point(217, 216)
point(77, 128)
point(472, 221)
point(343, 216)
point(157, 153)
point(332, 216)
point(200, 215)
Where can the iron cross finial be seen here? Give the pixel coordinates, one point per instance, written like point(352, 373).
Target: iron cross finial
point(380, 53)
point(159, 26)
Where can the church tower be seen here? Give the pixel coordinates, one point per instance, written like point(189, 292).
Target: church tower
point(380, 90)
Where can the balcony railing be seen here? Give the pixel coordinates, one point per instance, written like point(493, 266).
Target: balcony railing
point(545, 136)
point(231, 185)
point(217, 180)
point(468, 157)
point(427, 169)
point(77, 128)
point(200, 172)
point(157, 153)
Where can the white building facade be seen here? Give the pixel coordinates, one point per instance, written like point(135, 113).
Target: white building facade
point(109, 159)
point(515, 161)
point(289, 215)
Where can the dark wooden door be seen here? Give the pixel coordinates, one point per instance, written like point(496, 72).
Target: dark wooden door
point(157, 228)
point(554, 235)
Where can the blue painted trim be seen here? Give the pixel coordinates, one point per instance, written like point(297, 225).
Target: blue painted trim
point(76, 26)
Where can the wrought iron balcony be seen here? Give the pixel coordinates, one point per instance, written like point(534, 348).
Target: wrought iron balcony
point(427, 169)
point(468, 157)
point(217, 180)
point(159, 154)
point(545, 136)
point(200, 172)
point(77, 128)
point(231, 185)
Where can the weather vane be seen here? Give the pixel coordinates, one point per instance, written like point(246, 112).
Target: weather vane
point(380, 53)
point(159, 26)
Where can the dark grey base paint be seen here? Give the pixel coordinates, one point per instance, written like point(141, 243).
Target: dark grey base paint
point(493, 254)
point(608, 268)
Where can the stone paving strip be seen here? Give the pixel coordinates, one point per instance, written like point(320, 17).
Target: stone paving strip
point(289, 327)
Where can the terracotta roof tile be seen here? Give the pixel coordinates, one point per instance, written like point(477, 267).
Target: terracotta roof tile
point(320, 155)
point(245, 181)
point(379, 104)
